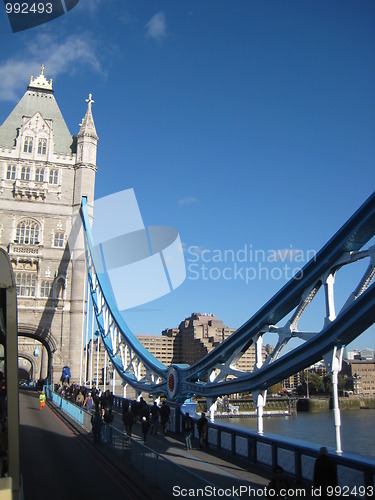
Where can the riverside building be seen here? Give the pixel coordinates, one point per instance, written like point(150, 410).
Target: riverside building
point(196, 336)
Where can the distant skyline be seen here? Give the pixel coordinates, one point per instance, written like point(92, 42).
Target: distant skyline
point(246, 125)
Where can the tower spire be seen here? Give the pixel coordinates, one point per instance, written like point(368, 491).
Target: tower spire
point(88, 125)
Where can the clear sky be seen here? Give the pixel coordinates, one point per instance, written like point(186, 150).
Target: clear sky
point(247, 125)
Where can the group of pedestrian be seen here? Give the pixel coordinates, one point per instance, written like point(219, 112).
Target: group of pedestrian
point(156, 418)
point(325, 472)
point(151, 418)
point(89, 399)
point(96, 402)
point(188, 428)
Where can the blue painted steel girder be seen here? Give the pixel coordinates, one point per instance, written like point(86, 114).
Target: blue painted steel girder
point(119, 341)
point(180, 382)
point(357, 231)
point(352, 322)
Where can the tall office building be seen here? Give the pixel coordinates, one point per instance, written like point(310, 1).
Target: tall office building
point(196, 336)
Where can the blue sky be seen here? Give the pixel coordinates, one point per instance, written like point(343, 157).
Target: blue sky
point(246, 125)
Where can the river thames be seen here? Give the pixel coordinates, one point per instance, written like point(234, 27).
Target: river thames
point(357, 429)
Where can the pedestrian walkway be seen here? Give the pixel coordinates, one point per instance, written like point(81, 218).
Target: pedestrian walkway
point(200, 472)
point(58, 460)
point(217, 469)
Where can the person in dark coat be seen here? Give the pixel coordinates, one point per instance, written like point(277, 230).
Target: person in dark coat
point(165, 412)
point(108, 419)
point(325, 472)
point(202, 426)
point(188, 427)
point(128, 419)
point(145, 428)
point(135, 409)
point(97, 423)
point(144, 410)
point(154, 418)
point(278, 484)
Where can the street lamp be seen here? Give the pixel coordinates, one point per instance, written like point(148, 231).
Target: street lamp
point(307, 384)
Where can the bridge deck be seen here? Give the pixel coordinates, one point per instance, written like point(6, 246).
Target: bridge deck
point(59, 460)
point(60, 455)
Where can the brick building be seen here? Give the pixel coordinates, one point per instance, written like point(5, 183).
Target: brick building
point(195, 337)
point(360, 374)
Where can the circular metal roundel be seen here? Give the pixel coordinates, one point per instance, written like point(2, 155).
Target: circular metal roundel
point(172, 382)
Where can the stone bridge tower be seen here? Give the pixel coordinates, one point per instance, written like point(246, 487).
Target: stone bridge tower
point(44, 172)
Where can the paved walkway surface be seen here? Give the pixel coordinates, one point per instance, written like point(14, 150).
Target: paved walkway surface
point(228, 476)
point(61, 467)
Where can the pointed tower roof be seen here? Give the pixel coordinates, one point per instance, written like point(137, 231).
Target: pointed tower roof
point(88, 125)
point(38, 97)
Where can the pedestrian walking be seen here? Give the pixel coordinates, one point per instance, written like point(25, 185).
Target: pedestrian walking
point(188, 426)
point(325, 473)
point(154, 418)
point(80, 399)
point(129, 420)
point(108, 419)
point(42, 400)
point(278, 486)
point(202, 426)
point(89, 402)
point(165, 412)
point(96, 423)
point(145, 428)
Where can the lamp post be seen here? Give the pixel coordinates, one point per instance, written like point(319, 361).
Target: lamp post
point(307, 384)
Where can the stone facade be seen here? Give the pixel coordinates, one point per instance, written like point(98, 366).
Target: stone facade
point(44, 172)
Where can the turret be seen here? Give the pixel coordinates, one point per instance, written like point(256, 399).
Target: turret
point(87, 142)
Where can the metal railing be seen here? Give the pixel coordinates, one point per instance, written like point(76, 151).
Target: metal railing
point(161, 471)
point(265, 451)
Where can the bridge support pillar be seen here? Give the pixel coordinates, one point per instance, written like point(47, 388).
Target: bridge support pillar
point(259, 398)
point(212, 407)
point(333, 362)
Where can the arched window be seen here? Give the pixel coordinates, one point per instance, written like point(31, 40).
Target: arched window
point(45, 288)
point(25, 284)
point(53, 176)
point(27, 232)
point(42, 146)
point(58, 240)
point(25, 173)
point(28, 145)
point(39, 175)
point(11, 172)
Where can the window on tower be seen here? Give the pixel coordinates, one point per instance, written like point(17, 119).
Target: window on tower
point(53, 176)
point(27, 232)
point(58, 240)
point(25, 174)
point(39, 175)
point(42, 146)
point(11, 172)
point(25, 284)
point(28, 145)
point(45, 288)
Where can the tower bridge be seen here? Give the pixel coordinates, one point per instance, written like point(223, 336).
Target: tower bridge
point(47, 181)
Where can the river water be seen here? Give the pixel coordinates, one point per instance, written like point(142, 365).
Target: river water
point(357, 429)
